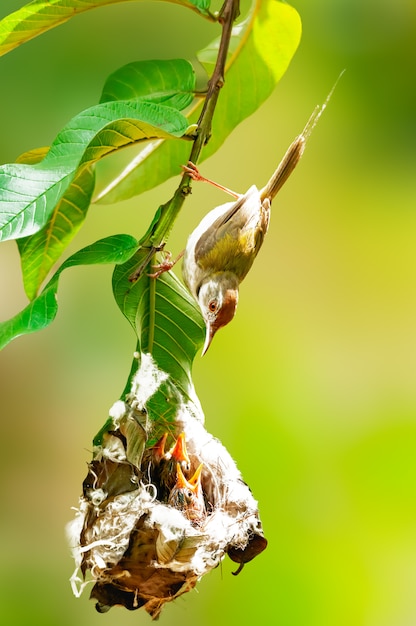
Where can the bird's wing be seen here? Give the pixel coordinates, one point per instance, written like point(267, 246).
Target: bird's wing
point(238, 221)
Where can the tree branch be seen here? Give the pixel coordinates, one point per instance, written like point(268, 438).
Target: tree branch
point(156, 237)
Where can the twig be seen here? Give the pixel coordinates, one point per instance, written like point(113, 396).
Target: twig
point(156, 236)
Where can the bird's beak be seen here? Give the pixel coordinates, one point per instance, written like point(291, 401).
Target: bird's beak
point(159, 447)
point(179, 452)
point(181, 481)
point(195, 481)
point(211, 330)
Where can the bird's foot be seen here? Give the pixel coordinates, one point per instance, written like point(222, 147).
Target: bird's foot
point(194, 173)
point(166, 264)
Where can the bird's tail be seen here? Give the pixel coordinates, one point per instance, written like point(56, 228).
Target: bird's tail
point(294, 152)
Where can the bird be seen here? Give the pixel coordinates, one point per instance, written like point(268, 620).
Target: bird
point(219, 254)
point(222, 248)
point(187, 495)
point(162, 465)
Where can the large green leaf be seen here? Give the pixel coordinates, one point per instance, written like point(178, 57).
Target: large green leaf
point(167, 82)
point(29, 193)
point(165, 317)
point(41, 15)
point(163, 314)
point(42, 311)
point(261, 48)
point(40, 251)
point(153, 78)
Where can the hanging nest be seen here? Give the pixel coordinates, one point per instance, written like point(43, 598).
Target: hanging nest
point(153, 520)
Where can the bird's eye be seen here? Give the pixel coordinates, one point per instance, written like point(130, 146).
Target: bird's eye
point(212, 306)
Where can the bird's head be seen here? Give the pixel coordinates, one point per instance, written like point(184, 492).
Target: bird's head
point(187, 495)
point(218, 298)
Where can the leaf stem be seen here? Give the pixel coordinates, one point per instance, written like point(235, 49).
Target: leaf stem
point(152, 315)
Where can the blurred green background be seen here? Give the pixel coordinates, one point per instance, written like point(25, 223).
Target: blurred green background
point(312, 388)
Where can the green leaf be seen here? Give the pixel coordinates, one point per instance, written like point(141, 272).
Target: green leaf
point(170, 83)
point(165, 317)
point(261, 49)
point(40, 251)
point(158, 79)
point(42, 311)
point(42, 15)
point(260, 52)
point(29, 193)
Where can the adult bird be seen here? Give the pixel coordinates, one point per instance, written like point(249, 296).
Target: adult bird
point(222, 248)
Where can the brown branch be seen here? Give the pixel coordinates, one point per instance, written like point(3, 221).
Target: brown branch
point(157, 235)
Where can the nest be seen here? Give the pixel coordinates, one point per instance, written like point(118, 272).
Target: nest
point(152, 521)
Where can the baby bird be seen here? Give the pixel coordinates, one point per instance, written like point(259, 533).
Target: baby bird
point(163, 465)
point(187, 495)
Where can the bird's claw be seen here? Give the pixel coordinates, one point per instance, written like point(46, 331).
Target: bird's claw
point(193, 172)
point(163, 266)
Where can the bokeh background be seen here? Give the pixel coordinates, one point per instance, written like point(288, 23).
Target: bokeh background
point(312, 388)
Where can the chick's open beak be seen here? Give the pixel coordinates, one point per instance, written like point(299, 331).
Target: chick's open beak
point(179, 452)
point(193, 484)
